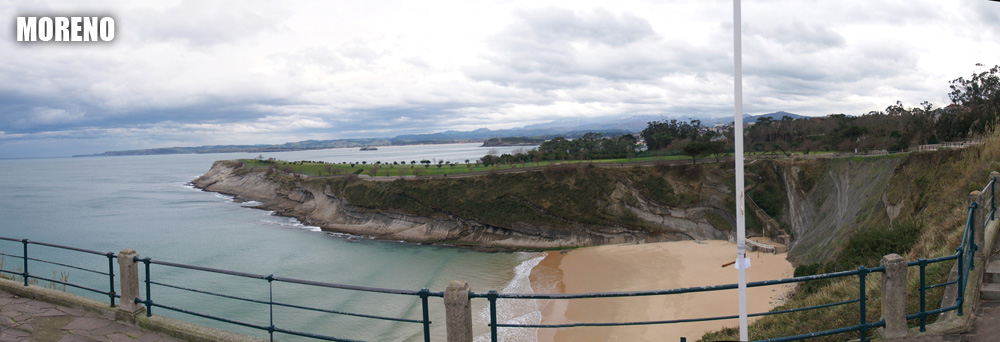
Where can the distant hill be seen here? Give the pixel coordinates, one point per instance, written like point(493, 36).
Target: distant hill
point(774, 116)
point(567, 128)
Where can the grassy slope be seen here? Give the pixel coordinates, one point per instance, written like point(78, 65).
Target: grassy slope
point(557, 198)
point(934, 187)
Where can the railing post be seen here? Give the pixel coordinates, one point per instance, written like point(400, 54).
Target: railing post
point(492, 297)
point(862, 272)
point(923, 291)
point(25, 274)
point(894, 296)
point(458, 312)
point(128, 308)
point(270, 305)
point(424, 293)
point(149, 296)
point(111, 277)
point(994, 175)
point(979, 223)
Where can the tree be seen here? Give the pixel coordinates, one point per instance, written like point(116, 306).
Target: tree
point(695, 149)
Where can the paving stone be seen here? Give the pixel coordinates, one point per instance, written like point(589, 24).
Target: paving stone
point(51, 312)
point(71, 312)
point(86, 323)
point(120, 338)
point(77, 338)
point(6, 300)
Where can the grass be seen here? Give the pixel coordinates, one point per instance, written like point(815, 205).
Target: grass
point(434, 169)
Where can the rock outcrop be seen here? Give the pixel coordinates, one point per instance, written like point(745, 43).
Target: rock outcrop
point(316, 203)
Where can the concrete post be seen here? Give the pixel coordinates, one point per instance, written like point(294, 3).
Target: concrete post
point(458, 313)
point(129, 273)
point(979, 217)
point(894, 296)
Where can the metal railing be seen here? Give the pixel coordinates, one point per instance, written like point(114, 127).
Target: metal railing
point(270, 326)
point(965, 256)
point(27, 277)
point(862, 327)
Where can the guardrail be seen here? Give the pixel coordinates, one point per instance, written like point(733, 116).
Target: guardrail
point(965, 258)
point(270, 327)
point(27, 277)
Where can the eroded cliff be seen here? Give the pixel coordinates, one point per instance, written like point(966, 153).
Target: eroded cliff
point(563, 206)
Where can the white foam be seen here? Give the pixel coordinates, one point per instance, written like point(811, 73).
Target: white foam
point(225, 197)
point(516, 311)
point(251, 203)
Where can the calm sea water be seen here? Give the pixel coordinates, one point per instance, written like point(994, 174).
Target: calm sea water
point(145, 203)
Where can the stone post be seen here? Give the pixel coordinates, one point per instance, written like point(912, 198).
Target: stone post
point(979, 225)
point(129, 273)
point(458, 313)
point(894, 296)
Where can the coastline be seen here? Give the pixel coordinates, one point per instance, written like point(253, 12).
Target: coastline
point(653, 266)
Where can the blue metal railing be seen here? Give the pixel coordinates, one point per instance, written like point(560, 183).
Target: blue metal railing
point(965, 255)
point(862, 327)
point(270, 327)
point(27, 277)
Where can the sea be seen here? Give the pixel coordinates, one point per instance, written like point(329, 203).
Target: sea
point(146, 203)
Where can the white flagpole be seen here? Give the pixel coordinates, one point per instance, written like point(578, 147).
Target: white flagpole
point(742, 263)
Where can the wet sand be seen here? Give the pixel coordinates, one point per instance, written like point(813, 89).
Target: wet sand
point(655, 266)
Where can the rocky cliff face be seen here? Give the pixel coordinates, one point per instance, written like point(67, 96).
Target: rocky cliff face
point(324, 204)
point(847, 193)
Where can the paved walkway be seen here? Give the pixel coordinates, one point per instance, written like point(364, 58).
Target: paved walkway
point(24, 319)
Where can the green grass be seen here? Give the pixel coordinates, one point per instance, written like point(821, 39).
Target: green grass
point(329, 169)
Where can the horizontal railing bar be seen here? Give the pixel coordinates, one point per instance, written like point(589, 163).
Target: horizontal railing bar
point(316, 336)
point(210, 293)
point(12, 255)
point(355, 287)
point(934, 260)
point(689, 320)
point(11, 272)
point(349, 313)
point(69, 266)
point(941, 284)
point(69, 284)
point(9, 239)
point(207, 269)
point(245, 324)
point(933, 312)
point(826, 332)
point(672, 291)
point(69, 248)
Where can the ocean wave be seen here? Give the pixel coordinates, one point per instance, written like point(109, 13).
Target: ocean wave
point(290, 222)
point(250, 203)
point(516, 311)
point(222, 196)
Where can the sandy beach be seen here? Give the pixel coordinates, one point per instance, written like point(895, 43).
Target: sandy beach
point(654, 266)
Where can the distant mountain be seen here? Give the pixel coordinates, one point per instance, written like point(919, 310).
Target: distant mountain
point(567, 128)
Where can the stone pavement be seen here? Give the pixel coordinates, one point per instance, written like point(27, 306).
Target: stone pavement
point(25, 319)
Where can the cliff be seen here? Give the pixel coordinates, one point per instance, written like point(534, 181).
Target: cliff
point(562, 206)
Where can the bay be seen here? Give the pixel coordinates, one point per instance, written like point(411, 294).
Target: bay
point(145, 203)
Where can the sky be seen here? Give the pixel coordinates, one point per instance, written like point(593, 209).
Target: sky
point(192, 73)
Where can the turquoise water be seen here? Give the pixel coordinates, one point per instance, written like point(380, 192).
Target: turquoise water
point(145, 203)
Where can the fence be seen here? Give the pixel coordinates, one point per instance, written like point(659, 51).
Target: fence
point(459, 315)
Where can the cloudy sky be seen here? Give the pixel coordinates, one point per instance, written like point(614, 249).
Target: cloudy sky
point(190, 73)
